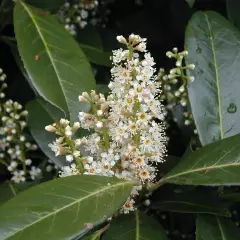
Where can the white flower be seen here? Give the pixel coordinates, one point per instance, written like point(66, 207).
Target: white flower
point(128, 206)
point(69, 158)
point(18, 176)
point(68, 171)
point(35, 172)
point(56, 148)
point(84, 14)
point(28, 162)
point(99, 124)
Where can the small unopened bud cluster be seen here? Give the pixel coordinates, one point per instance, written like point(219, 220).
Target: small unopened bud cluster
point(14, 145)
point(174, 85)
point(67, 144)
point(79, 13)
point(126, 135)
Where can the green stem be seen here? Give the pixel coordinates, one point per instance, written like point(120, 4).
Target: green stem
point(80, 164)
point(12, 189)
point(105, 138)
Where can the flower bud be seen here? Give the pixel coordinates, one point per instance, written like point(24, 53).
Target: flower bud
point(122, 39)
point(99, 124)
point(85, 94)
point(50, 128)
point(99, 112)
point(82, 99)
point(76, 126)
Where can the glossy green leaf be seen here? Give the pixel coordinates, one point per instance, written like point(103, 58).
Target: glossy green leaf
point(215, 164)
point(233, 7)
point(192, 201)
point(41, 114)
point(190, 3)
point(216, 228)
point(55, 63)
point(62, 208)
point(137, 226)
point(213, 44)
point(52, 5)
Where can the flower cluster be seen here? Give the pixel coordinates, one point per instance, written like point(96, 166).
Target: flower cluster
point(14, 145)
point(126, 136)
point(79, 13)
point(174, 85)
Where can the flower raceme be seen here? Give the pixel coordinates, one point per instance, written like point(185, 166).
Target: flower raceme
point(126, 135)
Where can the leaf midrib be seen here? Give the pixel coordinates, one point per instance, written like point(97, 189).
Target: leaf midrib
point(71, 204)
point(217, 78)
point(221, 230)
point(199, 169)
point(47, 49)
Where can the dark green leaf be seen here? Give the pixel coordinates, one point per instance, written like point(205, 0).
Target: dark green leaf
point(12, 44)
point(103, 88)
point(215, 164)
point(9, 190)
point(96, 55)
point(91, 43)
point(94, 236)
point(190, 3)
point(55, 63)
point(232, 196)
point(193, 201)
point(51, 5)
point(136, 226)
point(6, 12)
point(62, 208)
point(41, 114)
point(216, 228)
point(233, 7)
point(213, 44)
point(169, 164)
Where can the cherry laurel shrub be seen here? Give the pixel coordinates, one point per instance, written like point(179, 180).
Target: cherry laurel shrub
point(93, 153)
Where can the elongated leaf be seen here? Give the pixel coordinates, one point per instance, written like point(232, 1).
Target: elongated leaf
point(41, 114)
point(52, 5)
point(233, 12)
point(215, 164)
point(136, 226)
point(195, 201)
point(216, 228)
point(60, 209)
point(55, 63)
point(213, 44)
